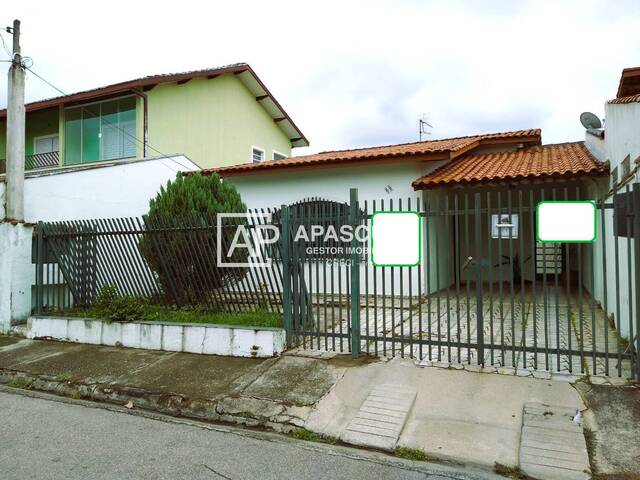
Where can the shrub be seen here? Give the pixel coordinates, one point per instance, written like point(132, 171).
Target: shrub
point(178, 245)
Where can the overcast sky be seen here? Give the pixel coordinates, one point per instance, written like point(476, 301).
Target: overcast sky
point(353, 73)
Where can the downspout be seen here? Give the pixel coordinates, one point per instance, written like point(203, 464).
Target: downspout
point(145, 120)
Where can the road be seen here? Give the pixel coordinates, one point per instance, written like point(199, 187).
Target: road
point(46, 437)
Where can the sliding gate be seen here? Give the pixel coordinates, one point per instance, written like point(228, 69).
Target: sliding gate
point(485, 292)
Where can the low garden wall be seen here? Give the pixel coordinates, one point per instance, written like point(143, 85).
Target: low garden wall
point(206, 339)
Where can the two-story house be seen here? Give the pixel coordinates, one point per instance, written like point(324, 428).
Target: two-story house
point(216, 117)
point(138, 134)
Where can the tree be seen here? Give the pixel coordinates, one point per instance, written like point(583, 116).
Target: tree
point(180, 240)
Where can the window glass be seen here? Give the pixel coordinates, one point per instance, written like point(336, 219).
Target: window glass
point(102, 131)
point(72, 136)
point(257, 155)
point(91, 133)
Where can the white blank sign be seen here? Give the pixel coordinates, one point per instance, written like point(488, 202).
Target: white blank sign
point(566, 221)
point(395, 238)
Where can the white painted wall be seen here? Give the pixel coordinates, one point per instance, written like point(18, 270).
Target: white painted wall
point(622, 138)
point(97, 191)
point(332, 183)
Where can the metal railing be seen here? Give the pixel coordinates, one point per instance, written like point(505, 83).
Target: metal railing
point(36, 161)
point(165, 261)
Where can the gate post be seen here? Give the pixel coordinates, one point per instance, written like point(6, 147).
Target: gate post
point(478, 268)
point(39, 268)
point(354, 220)
point(636, 261)
point(286, 273)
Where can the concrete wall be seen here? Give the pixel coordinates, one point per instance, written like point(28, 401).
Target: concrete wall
point(98, 190)
point(213, 122)
point(204, 339)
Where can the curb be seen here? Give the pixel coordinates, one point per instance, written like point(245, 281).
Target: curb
point(246, 411)
point(372, 456)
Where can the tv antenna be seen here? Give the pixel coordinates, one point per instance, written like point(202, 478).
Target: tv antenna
point(423, 126)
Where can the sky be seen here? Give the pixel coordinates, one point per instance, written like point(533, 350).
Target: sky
point(352, 73)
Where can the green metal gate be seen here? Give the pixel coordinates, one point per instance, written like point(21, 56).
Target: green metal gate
point(474, 299)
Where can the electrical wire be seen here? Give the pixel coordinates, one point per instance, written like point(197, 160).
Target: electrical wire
point(4, 45)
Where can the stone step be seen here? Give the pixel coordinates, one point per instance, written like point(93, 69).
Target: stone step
point(379, 421)
point(552, 446)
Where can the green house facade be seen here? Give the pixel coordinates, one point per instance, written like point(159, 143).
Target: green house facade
point(216, 117)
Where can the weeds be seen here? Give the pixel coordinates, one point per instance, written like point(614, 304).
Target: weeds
point(509, 472)
point(309, 436)
point(411, 454)
point(20, 382)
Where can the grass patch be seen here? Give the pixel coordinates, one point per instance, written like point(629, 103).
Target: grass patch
point(111, 307)
point(159, 313)
point(20, 382)
point(411, 454)
point(509, 472)
point(304, 434)
point(63, 377)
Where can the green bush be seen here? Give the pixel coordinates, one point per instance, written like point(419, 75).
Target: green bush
point(177, 245)
point(110, 306)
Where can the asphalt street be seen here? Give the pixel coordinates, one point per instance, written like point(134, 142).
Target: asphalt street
point(44, 437)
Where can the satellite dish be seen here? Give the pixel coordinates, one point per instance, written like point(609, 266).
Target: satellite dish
point(590, 121)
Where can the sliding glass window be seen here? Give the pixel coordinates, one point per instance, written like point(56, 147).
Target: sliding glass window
point(100, 131)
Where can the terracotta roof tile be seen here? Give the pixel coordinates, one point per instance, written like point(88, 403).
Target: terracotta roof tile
point(566, 159)
point(445, 147)
point(629, 99)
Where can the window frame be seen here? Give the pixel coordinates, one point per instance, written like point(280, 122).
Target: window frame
point(81, 107)
point(262, 150)
point(275, 152)
point(40, 137)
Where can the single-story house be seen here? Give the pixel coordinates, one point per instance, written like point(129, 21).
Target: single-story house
point(506, 173)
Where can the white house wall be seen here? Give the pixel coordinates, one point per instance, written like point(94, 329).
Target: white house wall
point(333, 184)
point(111, 191)
point(622, 138)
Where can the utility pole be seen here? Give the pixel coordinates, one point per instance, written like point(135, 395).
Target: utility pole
point(15, 235)
point(15, 132)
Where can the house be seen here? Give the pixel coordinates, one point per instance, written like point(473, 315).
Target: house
point(138, 134)
point(216, 117)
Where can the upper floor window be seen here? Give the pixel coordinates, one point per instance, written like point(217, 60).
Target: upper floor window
point(257, 154)
point(45, 144)
point(278, 155)
point(100, 131)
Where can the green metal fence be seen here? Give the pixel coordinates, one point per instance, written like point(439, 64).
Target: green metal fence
point(167, 261)
point(479, 296)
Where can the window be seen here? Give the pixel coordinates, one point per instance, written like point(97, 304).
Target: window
point(614, 177)
point(257, 154)
point(278, 155)
point(45, 144)
point(100, 131)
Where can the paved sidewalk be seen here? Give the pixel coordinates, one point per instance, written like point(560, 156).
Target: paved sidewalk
point(277, 393)
point(450, 415)
point(457, 415)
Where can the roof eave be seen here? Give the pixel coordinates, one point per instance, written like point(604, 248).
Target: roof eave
point(297, 140)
